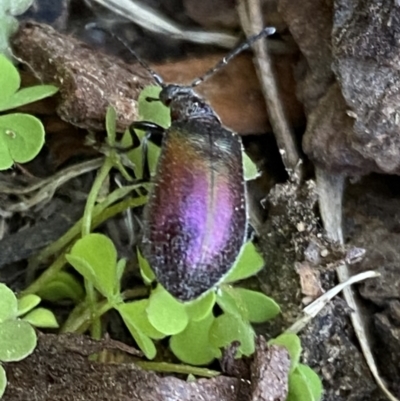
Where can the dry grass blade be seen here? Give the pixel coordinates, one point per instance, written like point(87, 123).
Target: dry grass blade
point(330, 191)
point(251, 19)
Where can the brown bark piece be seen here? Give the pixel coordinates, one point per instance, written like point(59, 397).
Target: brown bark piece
point(270, 372)
point(89, 81)
point(59, 370)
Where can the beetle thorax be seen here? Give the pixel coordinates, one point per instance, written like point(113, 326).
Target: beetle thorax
point(186, 104)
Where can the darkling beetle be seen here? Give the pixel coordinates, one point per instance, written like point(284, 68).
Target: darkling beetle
point(195, 222)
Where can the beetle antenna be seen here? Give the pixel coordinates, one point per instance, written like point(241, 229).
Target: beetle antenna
point(233, 53)
point(155, 76)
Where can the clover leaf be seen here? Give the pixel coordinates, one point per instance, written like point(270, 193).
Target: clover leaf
point(21, 135)
point(95, 257)
point(192, 345)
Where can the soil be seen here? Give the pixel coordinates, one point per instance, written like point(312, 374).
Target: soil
point(338, 77)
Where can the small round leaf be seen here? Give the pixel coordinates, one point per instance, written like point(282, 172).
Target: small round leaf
point(228, 328)
point(27, 303)
point(17, 7)
point(293, 344)
point(165, 313)
point(230, 301)
point(3, 381)
point(17, 339)
point(299, 389)
point(249, 263)
point(147, 274)
point(260, 308)
point(8, 26)
point(42, 318)
point(313, 381)
point(8, 303)
point(157, 113)
point(95, 257)
point(21, 138)
point(193, 345)
point(28, 95)
point(153, 111)
point(135, 312)
point(111, 125)
point(9, 79)
point(250, 169)
point(199, 308)
point(143, 341)
point(62, 286)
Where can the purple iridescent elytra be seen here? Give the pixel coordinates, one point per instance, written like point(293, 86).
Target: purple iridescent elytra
point(195, 220)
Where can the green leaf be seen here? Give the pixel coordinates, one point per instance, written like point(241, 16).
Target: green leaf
point(95, 257)
point(304, 385)
point(312, 379)
point(120, 271)
point(153, 111)
point(165, 313)
point(134, 155)
point(249, 168)
point(63, 285)
point(21, 138)
point(111, 118)
point(9, 79)
point(199, 308)
point(147, 274)
point(142, 340)
point(6, 160)
point(231, 302)
point(8, 26)
point(193, 345)
point(135, 312)
point(27, 95)
point(27, 303)
point(157, 113)
point(41, 318)
point(260, 308)
point(228, 328)
point(8, 304)
point(17, 339)
point(248, 264)
point(16, 7)
point(3, 381)
point(293, 344)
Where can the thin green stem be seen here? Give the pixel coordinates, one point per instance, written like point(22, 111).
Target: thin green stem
point(60, 262)
point(46, 276)
point(98, 218)
point(80, 318)
point(91, 294)
point(93, 194)
point(166, 367)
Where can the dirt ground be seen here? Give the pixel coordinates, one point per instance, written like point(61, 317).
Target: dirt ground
point(336, 68)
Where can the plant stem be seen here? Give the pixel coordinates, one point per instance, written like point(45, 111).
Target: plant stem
point(80, 318)
point(46, 276)
point(73, 232)
point(91, 295)
point(176, 368)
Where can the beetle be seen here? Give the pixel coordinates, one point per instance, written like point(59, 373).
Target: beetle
point(195, 221)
